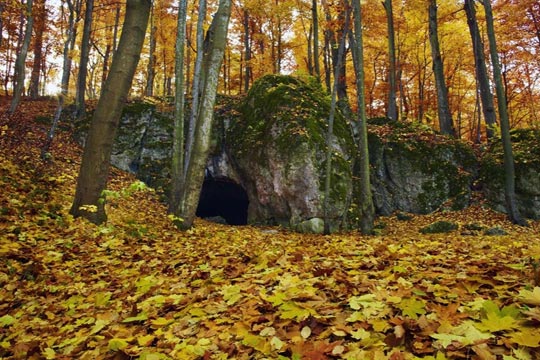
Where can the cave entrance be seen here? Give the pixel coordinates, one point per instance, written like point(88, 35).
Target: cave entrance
point(224, 198)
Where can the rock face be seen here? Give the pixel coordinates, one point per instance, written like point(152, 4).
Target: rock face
point(417, 171)
point(267, 165)
point(526, 149)
point(278, 149)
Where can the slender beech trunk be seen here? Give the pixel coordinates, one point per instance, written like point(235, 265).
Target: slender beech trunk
point(330, 130)
point(486, 96)
point(151, 69)
point(365, 206)
point(40, 16)
point(392, 111)
point(177, 167)
point(315, 19)
point(197, 80)
point(247, 51)
point(446, 124)
point(89, 201)
point(509, 167)
point(214, 50)
point(83, 63)
point(21, 59)
point(64, 84)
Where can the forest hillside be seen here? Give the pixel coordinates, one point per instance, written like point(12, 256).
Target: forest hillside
point(137, 287)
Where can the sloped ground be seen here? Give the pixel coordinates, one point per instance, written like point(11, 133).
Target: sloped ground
point(138, 288)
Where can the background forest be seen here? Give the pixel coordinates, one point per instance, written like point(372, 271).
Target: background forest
point(288, 36)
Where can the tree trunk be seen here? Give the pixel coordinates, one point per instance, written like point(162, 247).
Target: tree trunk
point(149, 91)
point(509, 168)
point(446, 123)
point(177, 166)
point(486, 97)
point(197, 81)
point(247, 51)
point(89, 201)
point(392, 112)
point(64, 85)
point(83, 63)
point(330, 130)
point(39, 24)
point(213, 56)
point(21, 59)
point(315, 19)
point(365, 206)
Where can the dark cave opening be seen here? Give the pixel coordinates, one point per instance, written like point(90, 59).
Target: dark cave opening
point(224, 198)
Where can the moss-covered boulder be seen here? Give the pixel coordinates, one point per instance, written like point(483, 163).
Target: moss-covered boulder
point(526, 149)
point(417, 171)
point(279, 150)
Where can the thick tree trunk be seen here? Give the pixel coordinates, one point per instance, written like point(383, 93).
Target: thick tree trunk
point(83, 63)
point(446, 123)
point(39, 24)
point(177, 166)
point(365, 205)
point(213, 56)
point(392, 111)
point(89, 201)
point(509, 169)
point(486, 97)
point(21, 59)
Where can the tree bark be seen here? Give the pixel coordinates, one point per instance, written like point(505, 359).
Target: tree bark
point(177, 166)
point(365, 205)
point(64, 84)
point(509, 168)
point(149, 91)
point(83, 63)
point(21, 59)
point(315, 20)
point(247, 51)
point(89, 201)
point(446, 123)
point(392, 111)
point(486, 97)
point(39, 25)
point(213, 56)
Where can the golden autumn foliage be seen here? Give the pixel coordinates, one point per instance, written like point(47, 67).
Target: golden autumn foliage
point(136, 287)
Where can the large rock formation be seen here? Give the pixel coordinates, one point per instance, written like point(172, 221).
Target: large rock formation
point(278, 147)
point(415, 170)
point(269, 154)
point(526, 149)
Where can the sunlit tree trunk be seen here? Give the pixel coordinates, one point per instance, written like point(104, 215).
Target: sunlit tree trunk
point(89, 201)
point(391, 112)
point(177, 166)
point(21, 59)
point(214, 49)
point(446, 123)
point(365, 205)
point(83, 63)
point(486, 96)
point(509, 168)
point(66, 71)
point(39, 25)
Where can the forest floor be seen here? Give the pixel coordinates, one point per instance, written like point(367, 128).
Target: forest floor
point(136, 287)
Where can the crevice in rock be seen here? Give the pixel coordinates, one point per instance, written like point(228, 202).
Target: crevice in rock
point(223, 198)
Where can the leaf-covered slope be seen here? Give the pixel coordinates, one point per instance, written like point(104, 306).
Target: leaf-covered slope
point(138, 287)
